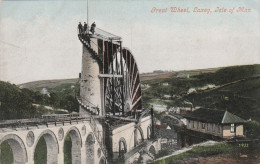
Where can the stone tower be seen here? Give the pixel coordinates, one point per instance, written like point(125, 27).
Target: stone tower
point(109, 81)
point(90, 83)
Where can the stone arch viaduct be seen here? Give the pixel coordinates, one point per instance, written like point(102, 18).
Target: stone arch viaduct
point(86, 145)
point(87, 138)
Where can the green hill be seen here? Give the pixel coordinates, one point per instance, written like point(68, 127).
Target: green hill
point(240, 97)
point(17, 103)
point(37, 85)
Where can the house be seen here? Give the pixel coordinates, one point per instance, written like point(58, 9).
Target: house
point(45, 91)
point(167, 97)
point(159, 108)
point(215, 122)
point(183, 75)
point(167, 135)
point(165, 84)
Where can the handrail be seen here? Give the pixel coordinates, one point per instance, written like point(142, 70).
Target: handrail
point(113, 36)
point(93, 105)
point(46, 119)
point(98, 136)
point(97, 45)
point(94, 54)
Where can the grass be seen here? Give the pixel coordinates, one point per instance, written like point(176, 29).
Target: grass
point(200, 151)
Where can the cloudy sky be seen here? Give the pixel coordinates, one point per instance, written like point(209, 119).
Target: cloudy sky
point(38, 39)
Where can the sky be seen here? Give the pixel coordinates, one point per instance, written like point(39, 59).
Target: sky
point(38, 39)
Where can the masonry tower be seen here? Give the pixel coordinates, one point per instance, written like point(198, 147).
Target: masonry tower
point(110, 83)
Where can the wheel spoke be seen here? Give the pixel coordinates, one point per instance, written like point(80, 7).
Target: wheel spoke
point(126, 90)
point(134, 83)
point(136, 102)
point(137, 89)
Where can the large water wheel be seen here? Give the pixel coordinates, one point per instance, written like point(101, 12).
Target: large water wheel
point(123, 88)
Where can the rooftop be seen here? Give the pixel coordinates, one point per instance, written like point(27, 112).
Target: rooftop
point(213, 115)
point(105, 34)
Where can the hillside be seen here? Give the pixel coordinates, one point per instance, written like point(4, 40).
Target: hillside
point(37, 85)
point(240, 97)
point(18, 103)
point(15, 102)
point(47, 83)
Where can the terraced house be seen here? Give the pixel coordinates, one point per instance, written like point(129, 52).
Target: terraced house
point(215, 122)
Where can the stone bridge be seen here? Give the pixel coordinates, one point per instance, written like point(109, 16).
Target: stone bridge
point(86, 138)
point(92, 142)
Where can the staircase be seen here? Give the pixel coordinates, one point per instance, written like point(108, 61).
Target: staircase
point(90, 108)
point(98, 134)
point(85, 40)
point(150, 155)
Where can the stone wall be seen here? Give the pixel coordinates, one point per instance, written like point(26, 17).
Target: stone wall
point(239, 131)
point(226, 131)
point(210, 128)
point(128, 133)
point(23, 142)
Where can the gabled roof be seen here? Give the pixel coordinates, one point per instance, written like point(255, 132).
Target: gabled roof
point(229, 118)
point(213, 115)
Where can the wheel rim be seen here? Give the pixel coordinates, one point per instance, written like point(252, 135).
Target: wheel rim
point(126, 90)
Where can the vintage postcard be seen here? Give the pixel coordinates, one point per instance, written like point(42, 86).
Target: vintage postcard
point(133, 81)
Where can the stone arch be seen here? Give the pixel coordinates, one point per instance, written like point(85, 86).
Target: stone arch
point(90, 141)
point(76, 144)
point(136, 136)
point(102, 160)
point(52, 146)
point(152, 150)
point(18, 148)
point(122, 147)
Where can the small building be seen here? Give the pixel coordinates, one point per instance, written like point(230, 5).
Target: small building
point(165, 84)
point(159, 108)
point(145, 85)
point(168, 137)
point(45, 91)
point(183, 75)
point(215, 122)
point(167, 97)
